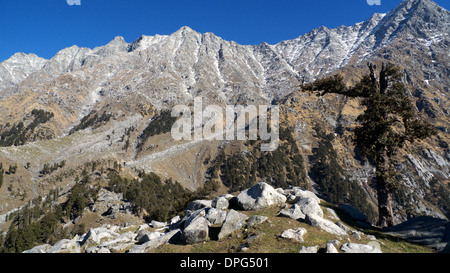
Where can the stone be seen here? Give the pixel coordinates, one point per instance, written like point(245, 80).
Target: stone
point(332, 214)
point(294, 234)
point(356, 234)
point(215, 216)
point(146, 235)
point(359, 248)
point(157, 224)
point(196, 232)
point(310, 206)
point(120, 243)
point(260, 196)
point(157, 242)
point(66, 246)
point(175, 220)
point(192, 215)
point(294, 212)
point(256, 220)
point(309, 249)
point(331, 247)
point(300, 194)
point(221, 202)
point(324, 224)
point(38, 249)
point(234, 221)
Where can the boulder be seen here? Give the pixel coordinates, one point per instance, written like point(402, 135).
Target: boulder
point(156, 224)
point(309, 249)
point(221, 202)
point(359, 248)
point(66, 246)
point(146, 235)
point(154, 243)
point(120, 243)
point(301, 194)
point(192, 215)
point(310, 206)
point(39, 249)
point(294, 234)
point(294, 212)
point(260, 196)
point(196, 231)
point(96, 235)
point(324, 224)
point(331, 247)
point(215, 216)
point(234, 221)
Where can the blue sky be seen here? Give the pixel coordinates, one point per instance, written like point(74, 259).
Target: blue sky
point(44, 27)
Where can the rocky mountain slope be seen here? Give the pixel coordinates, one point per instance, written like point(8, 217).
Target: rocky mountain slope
point(103, 100)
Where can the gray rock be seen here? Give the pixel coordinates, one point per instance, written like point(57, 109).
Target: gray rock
point(234, 221)
point(192, 215)
point(156, 224)
point(310, 206)
point(196, 231)
point(294, 212)
point(309, 249)
point(256, 220)
point(301, 194)
point(221, 202)
point(215, 216)
point(146, 235)
point(66, 246)
point(324, 224)
point(157, 242)
point(359, 248)
point(296, 235)
point(331, 247)
point(175, 220)
point(39, 249)
point(260, 196)
point(333, 214)
point(120, 243)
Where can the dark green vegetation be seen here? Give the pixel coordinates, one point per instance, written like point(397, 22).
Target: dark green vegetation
point(160, 124)
point(91, 121)
point(161, 200)
point(283, 167)
point(388, 122)
point(48, 169)
point(39, 222)
point(332, 178)
point(19, 134)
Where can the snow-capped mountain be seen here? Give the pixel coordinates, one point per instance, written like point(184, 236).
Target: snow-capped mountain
point(132, 80)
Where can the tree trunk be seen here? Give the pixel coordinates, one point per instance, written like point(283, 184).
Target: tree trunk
point(385, 216)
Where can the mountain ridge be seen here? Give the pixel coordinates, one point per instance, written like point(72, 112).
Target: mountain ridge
point(114, 92)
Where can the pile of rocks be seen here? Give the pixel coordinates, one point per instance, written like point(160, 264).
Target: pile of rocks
point(221, 213)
